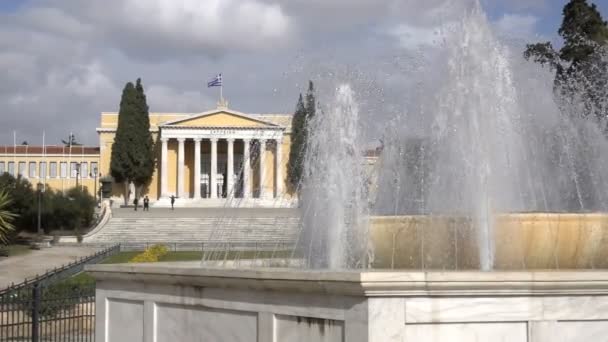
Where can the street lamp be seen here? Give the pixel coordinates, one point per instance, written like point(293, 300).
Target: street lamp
point(40, 188)
point(77, 173)
point(94, 175)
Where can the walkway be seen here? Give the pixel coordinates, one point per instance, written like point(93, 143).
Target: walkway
point(16, 268)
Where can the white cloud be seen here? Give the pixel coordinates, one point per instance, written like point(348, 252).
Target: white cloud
point(517, 25)
point(412, 37)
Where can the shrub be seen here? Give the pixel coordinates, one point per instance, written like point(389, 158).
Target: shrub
point(70, 211)
point(151, 254)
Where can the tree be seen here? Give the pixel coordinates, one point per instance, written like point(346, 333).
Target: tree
point(298, 141)
point(132, 158)
point(6, 217)
point(299, 136)
point(144, 145)
point(580, 68)
point(71, 141)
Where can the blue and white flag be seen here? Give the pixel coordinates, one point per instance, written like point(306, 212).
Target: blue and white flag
point(216, 82)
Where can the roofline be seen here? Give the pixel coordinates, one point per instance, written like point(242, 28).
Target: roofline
point(218, 110)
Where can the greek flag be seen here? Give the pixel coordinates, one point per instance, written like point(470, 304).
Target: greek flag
point(216, 82)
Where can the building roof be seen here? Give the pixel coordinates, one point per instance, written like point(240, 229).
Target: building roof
point(51, 149)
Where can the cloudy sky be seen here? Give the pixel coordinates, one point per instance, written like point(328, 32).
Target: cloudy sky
point(63, 62)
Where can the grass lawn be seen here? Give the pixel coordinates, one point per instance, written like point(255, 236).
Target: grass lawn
point(124, 257)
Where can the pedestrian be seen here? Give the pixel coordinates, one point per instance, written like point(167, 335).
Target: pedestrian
point(172, 201)
point(135, 201)
point(146, 203)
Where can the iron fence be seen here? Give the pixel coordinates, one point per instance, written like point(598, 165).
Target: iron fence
point(63, 272)
point(52, 313)
point(47, 308)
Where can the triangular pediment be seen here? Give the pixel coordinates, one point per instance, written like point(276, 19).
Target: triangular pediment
point(220, 118)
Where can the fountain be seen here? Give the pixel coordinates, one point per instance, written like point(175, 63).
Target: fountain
point(476, 198)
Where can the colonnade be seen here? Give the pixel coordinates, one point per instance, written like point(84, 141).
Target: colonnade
point(247, 191)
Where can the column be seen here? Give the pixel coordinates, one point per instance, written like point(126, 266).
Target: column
point(279, 167)
point(163, 168)
point(213, 171)
point(246, 168)
point(197, 168)
point(230, 168)
point(262, 167)
point(180, 168)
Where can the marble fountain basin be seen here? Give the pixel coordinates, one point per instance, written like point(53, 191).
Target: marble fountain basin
point(520, 241)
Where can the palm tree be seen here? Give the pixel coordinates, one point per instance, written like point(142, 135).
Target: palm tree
point(6, 217)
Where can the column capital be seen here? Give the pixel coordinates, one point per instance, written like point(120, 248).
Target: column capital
point(164, 139)
point(213, 140)
point(247, 141)
point(181, 140)
point(230, 140)
point(197, 139)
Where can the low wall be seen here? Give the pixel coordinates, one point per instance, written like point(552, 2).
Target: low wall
point(184, 303)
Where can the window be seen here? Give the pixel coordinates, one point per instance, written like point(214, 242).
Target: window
point(22, 169)
point(84, 170)
point(64, 169)
point(11, 168)
point(53, 170)
point(2, 169)
point(94, 169)
point(73, 169)
point(42, 170)
point(32, 170)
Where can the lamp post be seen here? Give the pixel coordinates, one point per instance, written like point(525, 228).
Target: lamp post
point(40, 188)
point(94, 175)
point(77, 173)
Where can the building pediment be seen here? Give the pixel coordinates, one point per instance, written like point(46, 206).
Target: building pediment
point(220, 118)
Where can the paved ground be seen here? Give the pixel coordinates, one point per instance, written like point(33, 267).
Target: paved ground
point(17, 268)
point(205, 212)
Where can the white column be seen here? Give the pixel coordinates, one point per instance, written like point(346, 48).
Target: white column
point(246, 168)
point(197, 168)
point(213, 171)
point(278, 167)
point(262, 167)
point(230, 168)
point(180, 168)
point(163, 168)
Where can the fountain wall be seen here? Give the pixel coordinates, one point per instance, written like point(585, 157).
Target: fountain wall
point(186, 303)
point(521, 241)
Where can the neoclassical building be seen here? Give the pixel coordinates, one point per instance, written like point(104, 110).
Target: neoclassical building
point(214, 157)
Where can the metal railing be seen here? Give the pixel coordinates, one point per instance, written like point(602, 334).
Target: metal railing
point(49, 308)
point(63, 272)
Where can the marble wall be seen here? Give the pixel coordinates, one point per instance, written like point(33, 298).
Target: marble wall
point(172, 305)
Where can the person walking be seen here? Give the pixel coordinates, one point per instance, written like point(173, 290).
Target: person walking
point(172, 201)
point(146, 203)
point(135, 201)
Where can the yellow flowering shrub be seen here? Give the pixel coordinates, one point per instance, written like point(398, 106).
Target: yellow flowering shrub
point(151, 254)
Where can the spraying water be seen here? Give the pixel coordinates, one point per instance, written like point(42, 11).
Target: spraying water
point(333, 202)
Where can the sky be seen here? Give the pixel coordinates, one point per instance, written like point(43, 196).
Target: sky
point(65, 61)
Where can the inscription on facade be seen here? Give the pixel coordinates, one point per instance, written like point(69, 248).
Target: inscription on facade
point(222, 131)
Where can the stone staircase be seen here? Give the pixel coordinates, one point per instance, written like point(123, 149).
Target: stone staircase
point(197, 230)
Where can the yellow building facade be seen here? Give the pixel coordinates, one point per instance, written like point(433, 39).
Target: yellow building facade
point(56, 167)
point(218, 157)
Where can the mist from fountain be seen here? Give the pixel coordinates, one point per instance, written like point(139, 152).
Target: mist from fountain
point(334, 204)
point(489, 140)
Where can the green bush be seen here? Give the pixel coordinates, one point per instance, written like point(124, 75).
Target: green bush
point(72, 210)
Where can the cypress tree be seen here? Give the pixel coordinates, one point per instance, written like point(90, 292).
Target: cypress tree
point(297, 150)
point(121, 162)
point(132, 158)
point(143, 163)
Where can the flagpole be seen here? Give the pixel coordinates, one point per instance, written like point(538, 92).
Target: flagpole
point(45, 163)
